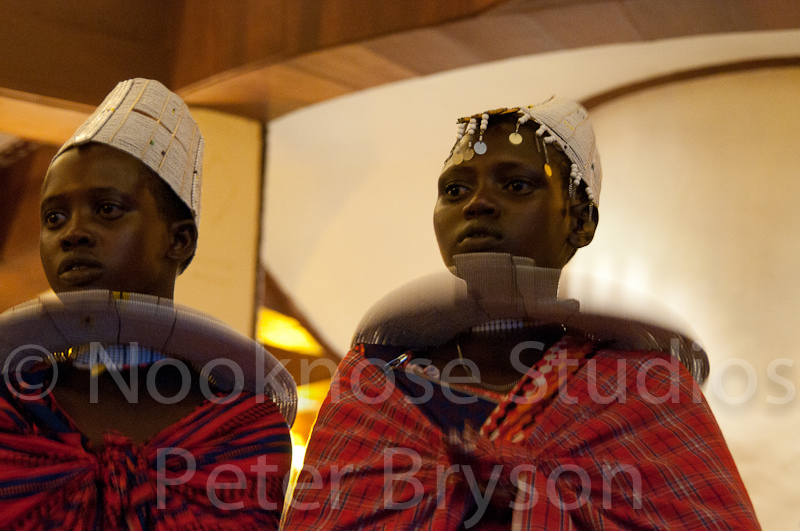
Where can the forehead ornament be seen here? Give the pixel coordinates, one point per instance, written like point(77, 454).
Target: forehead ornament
point(516, 138)
point(457, 156)
point(480, 145)
point(561, 122)
point(469, 153)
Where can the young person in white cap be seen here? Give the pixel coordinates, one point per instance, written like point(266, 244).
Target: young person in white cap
point(476, 399)
point(129, 436)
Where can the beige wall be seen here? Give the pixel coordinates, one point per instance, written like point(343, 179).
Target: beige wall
point(701, 192)
point(221, 280)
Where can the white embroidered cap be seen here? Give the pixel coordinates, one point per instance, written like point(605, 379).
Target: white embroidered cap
point(568, 123)
point(144, 118)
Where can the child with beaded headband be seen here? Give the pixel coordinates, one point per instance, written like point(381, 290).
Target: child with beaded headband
point(476, 398)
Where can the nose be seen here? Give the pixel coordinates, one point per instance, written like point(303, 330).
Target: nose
point(76, 234)
point(481, 204)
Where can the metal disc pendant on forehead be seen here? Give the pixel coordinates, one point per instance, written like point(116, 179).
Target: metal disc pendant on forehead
point(515, 138)
point(480, 148)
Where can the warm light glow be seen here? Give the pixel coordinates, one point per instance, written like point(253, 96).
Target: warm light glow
point(298, 455)
point(298, 452)
point(311, 395)
point(281, 331)
point(310, 399)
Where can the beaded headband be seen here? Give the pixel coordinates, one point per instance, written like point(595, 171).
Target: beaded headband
point(562, 122)
point(145, 119)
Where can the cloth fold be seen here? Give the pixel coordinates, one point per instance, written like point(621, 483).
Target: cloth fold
point(51, 477)
point(626, 442)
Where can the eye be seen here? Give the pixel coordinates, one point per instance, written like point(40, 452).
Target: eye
point(52, 220)
point(519, 186)
point(455, 191)
point(109, 210)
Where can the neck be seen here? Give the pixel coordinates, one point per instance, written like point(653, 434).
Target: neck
point(507, 286)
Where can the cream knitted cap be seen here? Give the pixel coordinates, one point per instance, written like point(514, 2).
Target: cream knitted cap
point(144, 118)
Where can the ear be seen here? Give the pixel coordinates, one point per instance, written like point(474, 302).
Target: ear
point(182, 240)
point(583, 224)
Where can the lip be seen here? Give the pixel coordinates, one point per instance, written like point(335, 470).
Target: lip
point(478, 239)
point(79, 270)
point(477, 233)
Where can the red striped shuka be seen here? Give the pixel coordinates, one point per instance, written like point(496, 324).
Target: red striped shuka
point(51, 477)
point(590, 438)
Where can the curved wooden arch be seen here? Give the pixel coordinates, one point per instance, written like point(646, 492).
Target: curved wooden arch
point(266, 58)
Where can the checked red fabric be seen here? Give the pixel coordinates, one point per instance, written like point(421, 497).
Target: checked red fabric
point(628, 442)
point(50, 477)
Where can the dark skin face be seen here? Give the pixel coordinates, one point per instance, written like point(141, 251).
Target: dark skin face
point(503, 201)
point(102, 229)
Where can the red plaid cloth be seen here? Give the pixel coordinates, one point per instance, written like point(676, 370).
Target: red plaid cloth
point(51, 479)
point(628, 442)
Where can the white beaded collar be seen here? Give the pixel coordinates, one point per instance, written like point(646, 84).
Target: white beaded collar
point(57, 322)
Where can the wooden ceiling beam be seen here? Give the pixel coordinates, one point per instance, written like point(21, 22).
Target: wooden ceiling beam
point(45, 120)
point(218, 36)
point(78, 51)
